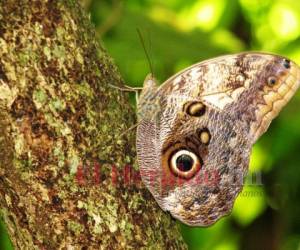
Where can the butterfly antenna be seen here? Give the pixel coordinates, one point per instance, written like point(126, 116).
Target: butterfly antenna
point(145, 50)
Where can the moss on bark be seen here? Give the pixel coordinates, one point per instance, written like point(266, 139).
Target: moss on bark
point(58, 116)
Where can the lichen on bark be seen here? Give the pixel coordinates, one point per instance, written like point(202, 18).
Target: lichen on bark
point(58, 117)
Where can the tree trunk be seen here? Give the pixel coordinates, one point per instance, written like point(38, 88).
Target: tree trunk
point(61, 154)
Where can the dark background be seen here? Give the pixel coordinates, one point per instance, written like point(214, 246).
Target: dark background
point(178, 33)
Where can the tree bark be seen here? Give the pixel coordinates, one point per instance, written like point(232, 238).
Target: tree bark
point(61, 154)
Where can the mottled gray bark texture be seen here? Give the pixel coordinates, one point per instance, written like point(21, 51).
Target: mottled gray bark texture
point(59, 116)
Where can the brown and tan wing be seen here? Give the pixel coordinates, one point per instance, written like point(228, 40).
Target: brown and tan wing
point(200, 125)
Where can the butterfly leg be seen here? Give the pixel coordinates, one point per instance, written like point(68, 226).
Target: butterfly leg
point(126, 88)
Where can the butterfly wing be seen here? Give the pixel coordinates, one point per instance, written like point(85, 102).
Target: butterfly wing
point(204, 192)
point(193, 150)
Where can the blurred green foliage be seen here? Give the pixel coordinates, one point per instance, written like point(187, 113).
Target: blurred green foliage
point(179, 33)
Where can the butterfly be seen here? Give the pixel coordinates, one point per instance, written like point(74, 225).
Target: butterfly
point(195, 131)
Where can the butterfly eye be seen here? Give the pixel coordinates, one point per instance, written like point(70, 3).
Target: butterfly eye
point(185, 164)
point(272, 81)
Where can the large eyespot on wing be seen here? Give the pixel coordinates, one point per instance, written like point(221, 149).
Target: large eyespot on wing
point(184, 163)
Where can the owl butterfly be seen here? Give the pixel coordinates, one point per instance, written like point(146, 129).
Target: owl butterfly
point(195, 131)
